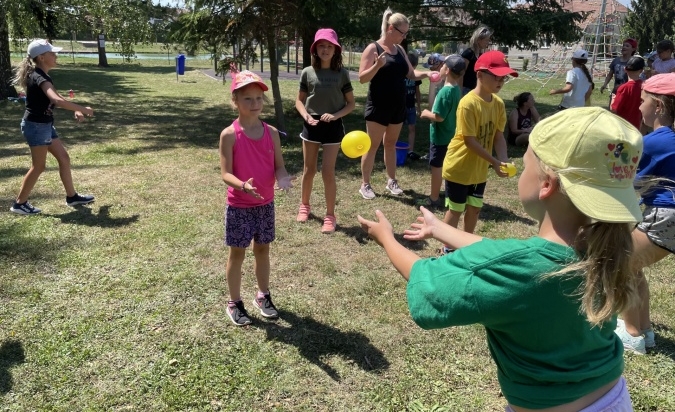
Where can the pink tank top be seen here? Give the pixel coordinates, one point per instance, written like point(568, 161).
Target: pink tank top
point(252, 158)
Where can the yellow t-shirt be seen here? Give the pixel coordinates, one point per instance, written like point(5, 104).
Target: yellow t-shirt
point(482, 120)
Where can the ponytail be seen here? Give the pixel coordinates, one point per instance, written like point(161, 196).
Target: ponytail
point(391, 18)
point(25, 69)
point(582, 65)
point(385, 21)
point(609, 283)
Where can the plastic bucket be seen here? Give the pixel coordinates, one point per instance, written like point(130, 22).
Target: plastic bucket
point(401, 153)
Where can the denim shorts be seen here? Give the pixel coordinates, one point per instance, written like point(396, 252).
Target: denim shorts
point(410, 116)
point(243, 224)
point(38, 134)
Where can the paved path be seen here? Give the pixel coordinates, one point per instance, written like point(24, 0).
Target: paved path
point(283, 74)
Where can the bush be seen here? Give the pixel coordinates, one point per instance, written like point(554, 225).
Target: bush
point(438, 48)
point(526, 62)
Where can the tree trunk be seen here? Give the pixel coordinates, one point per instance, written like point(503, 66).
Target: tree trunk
point(6, 88)
point(274, 77)
point(307, 40)
point(102, 58)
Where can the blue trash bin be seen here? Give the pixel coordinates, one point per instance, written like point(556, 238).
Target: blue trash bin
point(401, 153)
point(180, 64)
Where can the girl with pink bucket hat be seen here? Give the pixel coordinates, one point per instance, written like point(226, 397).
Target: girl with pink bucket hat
point(325, 97)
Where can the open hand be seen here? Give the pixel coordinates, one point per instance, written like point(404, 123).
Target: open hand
point(377, 230)
point(423, 227)
point(251, 190)
point(285, 183)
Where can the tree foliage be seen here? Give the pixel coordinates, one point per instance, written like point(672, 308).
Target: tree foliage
point(650, 21)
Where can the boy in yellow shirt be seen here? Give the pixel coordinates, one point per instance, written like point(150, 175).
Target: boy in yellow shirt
point(481, 118)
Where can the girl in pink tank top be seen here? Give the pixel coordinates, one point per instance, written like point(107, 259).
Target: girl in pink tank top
point(250, 163)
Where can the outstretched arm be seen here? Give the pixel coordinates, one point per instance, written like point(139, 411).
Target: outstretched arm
point(428, 226)
point(382, 232)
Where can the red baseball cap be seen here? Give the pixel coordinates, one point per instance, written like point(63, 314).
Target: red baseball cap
point(496, 63)
point(632, 42)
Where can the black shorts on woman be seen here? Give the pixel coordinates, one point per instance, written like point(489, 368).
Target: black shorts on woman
point(323, 132)
point(385, 103)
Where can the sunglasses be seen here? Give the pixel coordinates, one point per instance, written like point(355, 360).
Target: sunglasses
point(497, 78)
point(403, 33)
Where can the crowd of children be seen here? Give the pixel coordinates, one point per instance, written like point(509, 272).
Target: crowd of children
point(577, 182)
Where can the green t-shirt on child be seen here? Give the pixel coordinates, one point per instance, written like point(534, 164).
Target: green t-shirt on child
point(445, 106)
point(547, 354)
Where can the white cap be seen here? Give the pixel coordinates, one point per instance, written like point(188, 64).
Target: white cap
point(41, 46)
point(580, 54)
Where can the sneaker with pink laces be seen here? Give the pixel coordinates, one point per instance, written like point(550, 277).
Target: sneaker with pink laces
point(303, 213)
point(329, 224)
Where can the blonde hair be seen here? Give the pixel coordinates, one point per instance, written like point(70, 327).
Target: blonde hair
point(389, 17)
point(481, 32)
point(235, 95)
point(605, 249)
point(25, 69)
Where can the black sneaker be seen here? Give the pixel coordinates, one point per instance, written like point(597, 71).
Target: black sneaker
point(413, 156)
point(431, 204)
point(237, 313)
point(267, 308)
point(78, 199)
point(24, 208)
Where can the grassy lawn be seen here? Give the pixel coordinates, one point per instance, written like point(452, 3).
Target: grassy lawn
point(121, 305)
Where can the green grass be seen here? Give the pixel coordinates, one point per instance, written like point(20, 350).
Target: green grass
point(121, 305)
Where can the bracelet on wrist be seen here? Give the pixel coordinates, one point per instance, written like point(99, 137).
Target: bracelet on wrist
point(243, 186)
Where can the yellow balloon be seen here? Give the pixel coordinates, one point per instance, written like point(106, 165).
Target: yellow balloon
point(355, 144)
point(509, 168)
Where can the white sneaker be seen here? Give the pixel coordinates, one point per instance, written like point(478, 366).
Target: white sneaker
point(393, 187)
point(631, 343)
point(648, 334)
point(367, 191)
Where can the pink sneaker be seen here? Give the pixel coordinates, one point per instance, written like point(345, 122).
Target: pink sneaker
point(329, 224)
point(303, 213)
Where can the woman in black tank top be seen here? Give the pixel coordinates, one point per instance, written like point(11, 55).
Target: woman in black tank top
point(385, 65)
point(522, 119)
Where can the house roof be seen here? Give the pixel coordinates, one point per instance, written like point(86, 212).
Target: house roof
point(593, 7)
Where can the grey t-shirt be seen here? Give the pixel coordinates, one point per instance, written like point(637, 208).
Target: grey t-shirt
point(325, 89)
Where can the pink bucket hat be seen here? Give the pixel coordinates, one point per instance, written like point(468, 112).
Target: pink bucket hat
point(242, 79)
point(328, 35)
point(660, 84)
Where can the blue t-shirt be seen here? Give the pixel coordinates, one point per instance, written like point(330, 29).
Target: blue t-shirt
point(658, 161)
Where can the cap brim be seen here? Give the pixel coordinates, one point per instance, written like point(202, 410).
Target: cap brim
point(503, 71)
point(56, 49)
point(262, 85)
point(617, 204)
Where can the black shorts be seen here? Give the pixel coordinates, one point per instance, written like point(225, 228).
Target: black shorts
point(386, 114)
point(323, 132)
point(437, 154)
point(457, 195)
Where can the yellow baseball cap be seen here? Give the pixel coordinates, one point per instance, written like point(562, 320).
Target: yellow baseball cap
point(596, 155)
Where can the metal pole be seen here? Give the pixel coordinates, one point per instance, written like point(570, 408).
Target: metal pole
point(600, 21)
point(296, 52)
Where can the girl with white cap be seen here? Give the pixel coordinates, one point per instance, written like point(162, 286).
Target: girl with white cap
point(37, 125)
